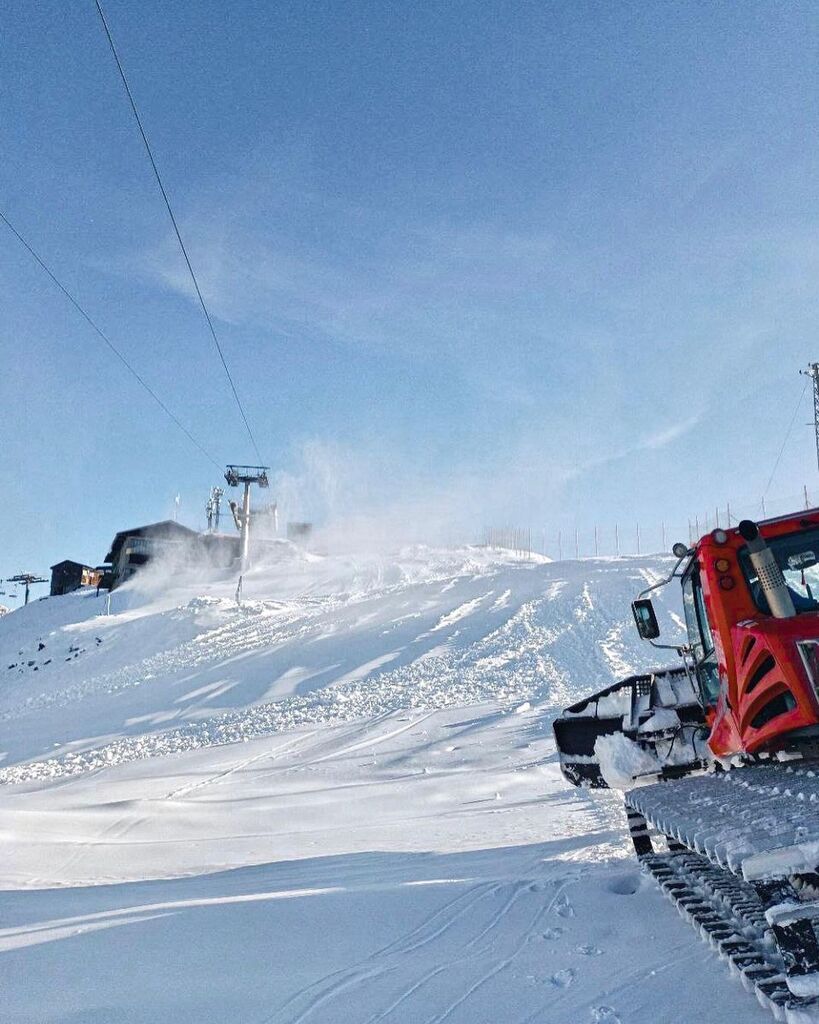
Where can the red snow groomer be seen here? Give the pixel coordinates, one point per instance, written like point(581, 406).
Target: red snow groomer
point(718, 756)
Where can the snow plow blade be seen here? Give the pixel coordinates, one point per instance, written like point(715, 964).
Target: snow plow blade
point(627, 708)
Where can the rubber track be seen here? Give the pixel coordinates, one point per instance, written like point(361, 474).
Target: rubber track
point(729, 916)
point(758, 821)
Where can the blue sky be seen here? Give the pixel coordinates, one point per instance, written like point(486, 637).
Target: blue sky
point(531, 263)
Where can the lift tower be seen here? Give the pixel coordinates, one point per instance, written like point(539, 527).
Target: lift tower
point(28, 579)
point(245, 475)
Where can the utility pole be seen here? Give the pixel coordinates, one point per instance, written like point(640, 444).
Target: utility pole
point(28, 579)
point(813, 372)
point(245, 475)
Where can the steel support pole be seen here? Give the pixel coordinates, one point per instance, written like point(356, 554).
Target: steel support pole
point(245, 537)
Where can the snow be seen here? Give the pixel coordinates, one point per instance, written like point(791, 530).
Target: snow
point(662, 720)
point(622, 761)
point(791, 859)
point(804, 985)
point(614, 704)
point(339, 802)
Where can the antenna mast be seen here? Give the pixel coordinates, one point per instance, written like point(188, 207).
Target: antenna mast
point(213, 509)
point(813, 372)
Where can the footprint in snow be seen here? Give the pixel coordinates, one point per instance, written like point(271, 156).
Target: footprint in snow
point(552, 934)
point(604, 1015)
point(588, 951)
point(562, 979)
point(624, 885)
point(563, 907)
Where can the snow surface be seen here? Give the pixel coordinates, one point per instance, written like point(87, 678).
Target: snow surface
point(622, 761)
point(340, 802)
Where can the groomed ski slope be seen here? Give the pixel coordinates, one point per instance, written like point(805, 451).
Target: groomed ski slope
point(337, 803)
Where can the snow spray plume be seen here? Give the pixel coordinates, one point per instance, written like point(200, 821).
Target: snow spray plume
point(362, 502)
point(191, 563)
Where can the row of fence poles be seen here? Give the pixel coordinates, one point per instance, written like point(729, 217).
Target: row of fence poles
point(727, 516)
point(608, 541)
point(574, 543)
point(511, 538)
point(617, 542)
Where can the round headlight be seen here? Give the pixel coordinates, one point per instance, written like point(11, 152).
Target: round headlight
point(719, 537)
point(722, 565)
point(727, 582)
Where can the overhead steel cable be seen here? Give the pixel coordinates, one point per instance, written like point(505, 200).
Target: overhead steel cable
point(787, 437)
point(175, 225)
point(44, 266)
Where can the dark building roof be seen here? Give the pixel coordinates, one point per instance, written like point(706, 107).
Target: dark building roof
point(67, 562)
point(166, 528)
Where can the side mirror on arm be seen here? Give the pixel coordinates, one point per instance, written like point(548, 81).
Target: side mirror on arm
point(646, 619)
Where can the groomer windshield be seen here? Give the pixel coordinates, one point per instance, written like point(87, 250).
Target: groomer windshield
point(797, 555)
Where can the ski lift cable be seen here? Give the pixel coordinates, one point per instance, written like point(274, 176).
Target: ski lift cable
point(44, 266)
point(787, 437)
point(178, 233)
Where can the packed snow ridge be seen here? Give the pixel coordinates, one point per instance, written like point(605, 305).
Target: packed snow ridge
point(318, 640)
